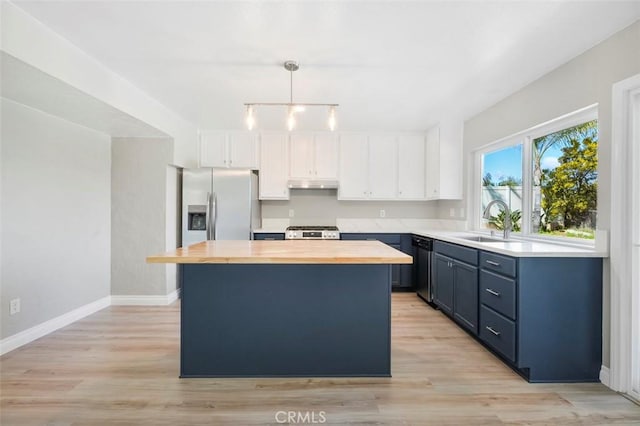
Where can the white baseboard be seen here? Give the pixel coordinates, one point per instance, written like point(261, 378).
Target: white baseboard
point(22, 338)
point(29, 335)
point(604, 376)
point(133, 300)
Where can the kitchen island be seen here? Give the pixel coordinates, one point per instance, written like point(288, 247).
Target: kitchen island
point(285, 308)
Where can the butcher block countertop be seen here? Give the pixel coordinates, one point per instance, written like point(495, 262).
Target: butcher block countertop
point(285, 252)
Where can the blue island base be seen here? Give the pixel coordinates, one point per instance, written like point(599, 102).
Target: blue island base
point(283, 320)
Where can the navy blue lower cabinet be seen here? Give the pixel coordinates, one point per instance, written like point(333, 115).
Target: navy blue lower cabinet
point(406, 271)
point(465, 296)
point(542, 316)
point(268, 236)
point(499, 332)
point(498, 293)
point(401, 275)
point(559, 319)
point(444, 279)
point(456, 290)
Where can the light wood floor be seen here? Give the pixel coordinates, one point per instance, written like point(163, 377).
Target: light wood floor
point(120, 366)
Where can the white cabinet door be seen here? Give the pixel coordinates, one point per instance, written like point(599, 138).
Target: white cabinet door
point(383, 166)
point(353, 167)
point(213, 149)
point(301, 155)
point(326, 156)
point(243, 150)
point(433, 164)
point(411, 162)
point(444, 161)
point(274, 162)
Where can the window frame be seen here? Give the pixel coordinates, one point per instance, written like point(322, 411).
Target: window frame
point(526, 138)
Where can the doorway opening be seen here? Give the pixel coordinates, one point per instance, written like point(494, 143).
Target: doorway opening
point(625, 239)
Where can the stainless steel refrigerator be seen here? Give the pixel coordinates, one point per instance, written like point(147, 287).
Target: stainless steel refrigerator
point(219, 204)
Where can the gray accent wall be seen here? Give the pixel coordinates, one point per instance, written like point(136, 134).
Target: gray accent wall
point(173, 217)
point(585, 80)
point(322, 207)
point(139, 212)
point(55, 219)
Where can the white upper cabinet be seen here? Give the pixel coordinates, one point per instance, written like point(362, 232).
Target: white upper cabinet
point(301, 147)
point(274, 166)
point(213, 149)
point(383, 166)
point(411, 166)
point(326, 155)
point(354, 167)
point(229, 149)
point(444, 162)
point(243, 150)
point(313, 155)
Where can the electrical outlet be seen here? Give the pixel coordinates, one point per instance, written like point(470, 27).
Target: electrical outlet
point(383, 213)
point(461, 211)
point(292, 213)
point(14, 307)
point(452, 212)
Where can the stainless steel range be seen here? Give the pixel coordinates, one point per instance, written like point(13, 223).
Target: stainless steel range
point(312, 233)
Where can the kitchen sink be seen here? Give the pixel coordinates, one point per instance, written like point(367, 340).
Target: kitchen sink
point(483, 239)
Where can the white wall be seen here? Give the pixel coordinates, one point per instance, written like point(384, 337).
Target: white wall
point(139, 215)
point(55, 218)
point(585, 80)
point(321, 207)
point(30, 41)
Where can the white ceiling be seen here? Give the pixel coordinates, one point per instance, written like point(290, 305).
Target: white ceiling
point(390, 65)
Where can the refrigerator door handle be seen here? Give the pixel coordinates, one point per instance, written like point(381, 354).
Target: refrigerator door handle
point(214, 215)
point(207, 216)
point(209, 221)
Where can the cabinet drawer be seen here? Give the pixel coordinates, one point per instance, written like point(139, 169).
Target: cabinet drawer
point(501, 264)
point(498, 332)
point(391, 239)
point(465, 254)
point(499, 293)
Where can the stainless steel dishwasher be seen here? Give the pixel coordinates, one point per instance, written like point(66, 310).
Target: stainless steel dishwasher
point(423, 248)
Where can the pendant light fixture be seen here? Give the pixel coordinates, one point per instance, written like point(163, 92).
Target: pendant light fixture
point(291, 107)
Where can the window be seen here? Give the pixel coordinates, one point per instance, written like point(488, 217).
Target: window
point(502, 180)
point(547, 175)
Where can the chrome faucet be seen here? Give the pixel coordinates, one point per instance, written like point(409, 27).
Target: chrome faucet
point(507, 216)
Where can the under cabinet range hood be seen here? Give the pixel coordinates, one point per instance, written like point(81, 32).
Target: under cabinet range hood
point(312, 184)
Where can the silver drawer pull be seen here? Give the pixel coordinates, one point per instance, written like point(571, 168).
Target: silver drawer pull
point(491, 262)
point(495, 293)
point(497, 333)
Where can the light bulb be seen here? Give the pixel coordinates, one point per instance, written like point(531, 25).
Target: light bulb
point(291, 119)
point(251, 120)
point(332, 118)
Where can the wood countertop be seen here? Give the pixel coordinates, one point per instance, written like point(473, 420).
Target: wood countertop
point(285, 251)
